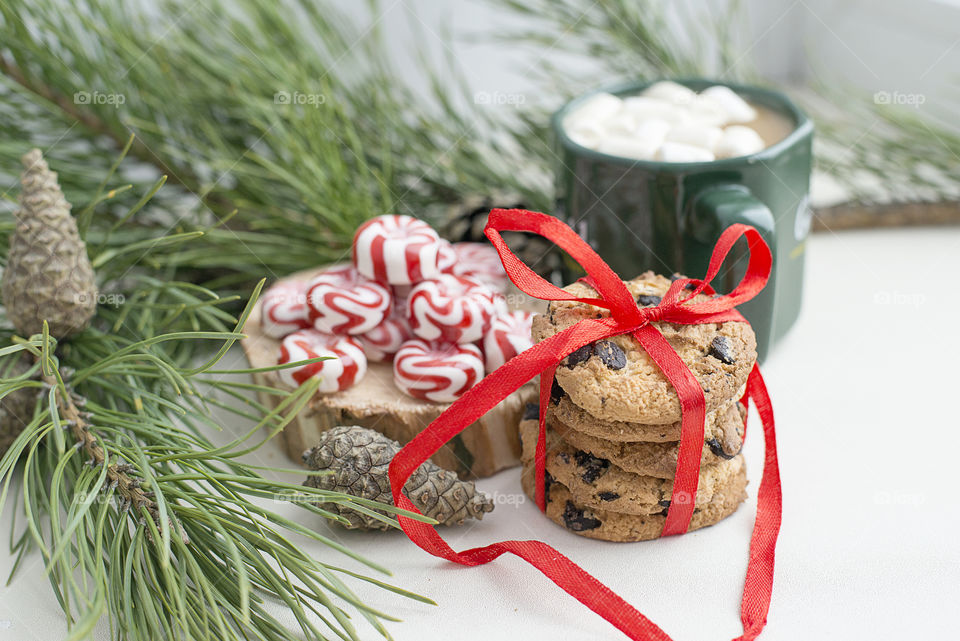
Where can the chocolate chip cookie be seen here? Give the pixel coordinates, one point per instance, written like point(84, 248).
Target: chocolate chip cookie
point(616, 380)
point(597, 482)
point(650, 459)
point(721, 425)
point(563, 509)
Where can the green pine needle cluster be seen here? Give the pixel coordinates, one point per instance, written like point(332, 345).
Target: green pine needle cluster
point(137, 514)
point(287, 112)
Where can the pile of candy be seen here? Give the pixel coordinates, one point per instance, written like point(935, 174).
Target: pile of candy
point(667, 122)
point(436, 309)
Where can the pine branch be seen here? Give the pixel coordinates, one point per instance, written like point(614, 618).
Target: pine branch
point(143, 519)
point(118, 477)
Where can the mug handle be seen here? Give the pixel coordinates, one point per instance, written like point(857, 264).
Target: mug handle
point(715, 208)
point(712, 210)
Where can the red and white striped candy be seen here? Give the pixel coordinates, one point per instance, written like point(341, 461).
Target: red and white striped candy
point(508, 335)
point(438, 372)
point(480, 261)
point(454, 309)
point(284, 308)
point(446, 257)
point(341, 301)
point(345, 367)
point(399, 250)
point(383, 341)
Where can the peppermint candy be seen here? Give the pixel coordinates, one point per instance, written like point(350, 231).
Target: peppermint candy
point(481, 262)
point(453, 309)
point(438, 372)
point(383, 341)
point(398, 250)
point(345, 366)
point(508, 335)
point(284, 308)
point(446, 257)
point(341, 301)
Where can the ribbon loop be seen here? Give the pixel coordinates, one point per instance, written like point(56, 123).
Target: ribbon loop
point(613, 293)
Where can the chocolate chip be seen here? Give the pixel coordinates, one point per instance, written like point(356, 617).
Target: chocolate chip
point(593, 467)
point(608, 496)
point(647, 300)
point(721, 349)
point(576, 519)
point(717, 448)
point(676, 276)
point(547, 483)
point(531, 412)
point(556, 392)
point(579, 356)
point(664, 503)
point(564, 457)
point(610, 354)
point(690, 287)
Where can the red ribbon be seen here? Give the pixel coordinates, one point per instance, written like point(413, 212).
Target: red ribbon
point(625, 318)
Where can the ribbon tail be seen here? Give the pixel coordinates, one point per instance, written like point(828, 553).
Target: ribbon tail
point(758, 585)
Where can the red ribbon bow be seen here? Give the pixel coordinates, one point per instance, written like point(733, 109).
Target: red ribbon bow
point(625, 318)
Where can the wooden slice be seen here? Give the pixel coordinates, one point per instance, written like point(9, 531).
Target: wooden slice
point(485, 447)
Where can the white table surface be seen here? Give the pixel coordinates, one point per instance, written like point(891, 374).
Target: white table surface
point(864, 387)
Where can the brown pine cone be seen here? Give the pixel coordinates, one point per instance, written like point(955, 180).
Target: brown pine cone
point(358, 459)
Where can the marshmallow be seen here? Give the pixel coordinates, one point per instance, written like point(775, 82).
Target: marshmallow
point(736, 108)
point(738, 140)
point(653, 131)
point(595, 109)
point(645, 108)
point(628, 148)
point(623, 124)
point(679, 152)
point(668, 122)
point(696, 135)
point(585, 134)
point(707, 112)
point(671, 92)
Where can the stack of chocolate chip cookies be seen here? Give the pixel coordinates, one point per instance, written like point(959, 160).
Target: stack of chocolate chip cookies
point(613, 422)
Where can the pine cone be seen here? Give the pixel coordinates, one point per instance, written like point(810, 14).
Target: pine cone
point(17, 407)
point(48, 275)
point(359, 459)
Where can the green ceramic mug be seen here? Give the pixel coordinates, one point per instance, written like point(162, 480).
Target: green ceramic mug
point(646, 214)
